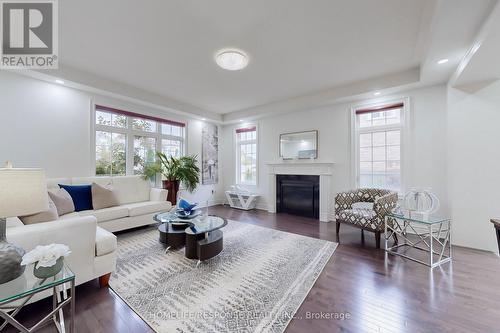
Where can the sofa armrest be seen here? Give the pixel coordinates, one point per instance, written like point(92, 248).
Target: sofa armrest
point(77, 233)
point(158, 194)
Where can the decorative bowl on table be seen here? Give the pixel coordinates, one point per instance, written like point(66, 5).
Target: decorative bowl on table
point(182, 214)
point(186, 210)
point(185, 206)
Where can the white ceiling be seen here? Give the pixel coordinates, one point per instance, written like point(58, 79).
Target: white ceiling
point(482, 64)
point(296, 46)
point(165, 49)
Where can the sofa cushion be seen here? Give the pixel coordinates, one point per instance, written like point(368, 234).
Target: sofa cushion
point(69, 216)
point(81, 195)
point(13, 222)
point(45, 216)
point(106, 214)
point(103, 196)
point(131, 189)
point(62, 200)
point(105, 242)
point(147, 207)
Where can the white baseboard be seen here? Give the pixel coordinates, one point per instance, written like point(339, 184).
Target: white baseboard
point(216, 202)
point(262, 206)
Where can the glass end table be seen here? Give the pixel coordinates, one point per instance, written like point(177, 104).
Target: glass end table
point(17, 293)
point(431, 235)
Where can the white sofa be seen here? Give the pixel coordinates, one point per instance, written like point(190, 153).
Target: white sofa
point(88, 233)
point(138, 201)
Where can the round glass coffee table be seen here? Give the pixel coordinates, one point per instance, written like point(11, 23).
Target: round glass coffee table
point(201, 236)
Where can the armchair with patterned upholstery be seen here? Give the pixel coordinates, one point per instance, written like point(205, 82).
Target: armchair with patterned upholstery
point(370, 219)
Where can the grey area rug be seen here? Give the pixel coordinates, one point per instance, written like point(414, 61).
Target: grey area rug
point(256, 284)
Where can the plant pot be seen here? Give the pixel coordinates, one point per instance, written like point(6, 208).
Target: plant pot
point(46, 272)
point(172, 186)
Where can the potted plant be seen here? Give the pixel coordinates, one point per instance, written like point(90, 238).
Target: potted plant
point(175, 170)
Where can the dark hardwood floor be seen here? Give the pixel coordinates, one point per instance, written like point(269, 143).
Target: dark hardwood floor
point(376, 293)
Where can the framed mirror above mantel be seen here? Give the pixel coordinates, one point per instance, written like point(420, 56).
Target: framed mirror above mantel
point(299, 145)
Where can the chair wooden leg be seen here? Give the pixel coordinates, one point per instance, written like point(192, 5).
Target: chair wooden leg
point(362, 236)
point(104, 280)
point(395, 238)
point(377, 239)
point(338, 227)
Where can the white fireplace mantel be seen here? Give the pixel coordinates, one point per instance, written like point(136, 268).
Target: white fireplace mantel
point(322, 169)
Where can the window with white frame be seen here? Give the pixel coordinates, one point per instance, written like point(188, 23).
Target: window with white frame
point(126, 142)
point(246, 155)
point(378, 146)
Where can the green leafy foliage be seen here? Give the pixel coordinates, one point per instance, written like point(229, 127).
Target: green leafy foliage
point(184, 169)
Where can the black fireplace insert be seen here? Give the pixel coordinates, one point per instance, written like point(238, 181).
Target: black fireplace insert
point(298, 195)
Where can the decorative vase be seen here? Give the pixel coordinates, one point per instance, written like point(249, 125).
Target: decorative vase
point(173, 187)
point(420, 203)
point(10, 256)
point(46, 272)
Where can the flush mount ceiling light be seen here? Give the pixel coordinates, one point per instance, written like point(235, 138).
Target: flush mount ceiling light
point(442, 61)
point(59, 81)
point(231, 59)
point(376, 93)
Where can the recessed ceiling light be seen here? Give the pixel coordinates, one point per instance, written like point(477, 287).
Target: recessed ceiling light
point(377, 93)
point(203, 119)
point(442, 61)
point(241, 120)
point(231, 59)
point(59, 81)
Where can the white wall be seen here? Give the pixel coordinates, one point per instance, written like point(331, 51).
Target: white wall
point(474, 163)
point(48, 126)
point(333, 143)
point(453, 144)
point(426, 149)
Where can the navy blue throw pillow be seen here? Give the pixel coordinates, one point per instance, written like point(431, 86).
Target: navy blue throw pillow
point(81, 195)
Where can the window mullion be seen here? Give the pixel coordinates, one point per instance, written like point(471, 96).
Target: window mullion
point(130, 133)
point(130, 147)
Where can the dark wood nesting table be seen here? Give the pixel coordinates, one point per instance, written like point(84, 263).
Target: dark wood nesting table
point(496, 223)
point(201, 236)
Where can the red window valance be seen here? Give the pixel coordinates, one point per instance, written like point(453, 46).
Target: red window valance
point(380, 108)
point(246, 129)
point(138, 115)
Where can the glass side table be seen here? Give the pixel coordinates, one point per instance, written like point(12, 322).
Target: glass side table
point(432, 235)
point(17, 293)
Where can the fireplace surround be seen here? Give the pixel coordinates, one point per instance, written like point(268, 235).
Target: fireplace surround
point(312, 168)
